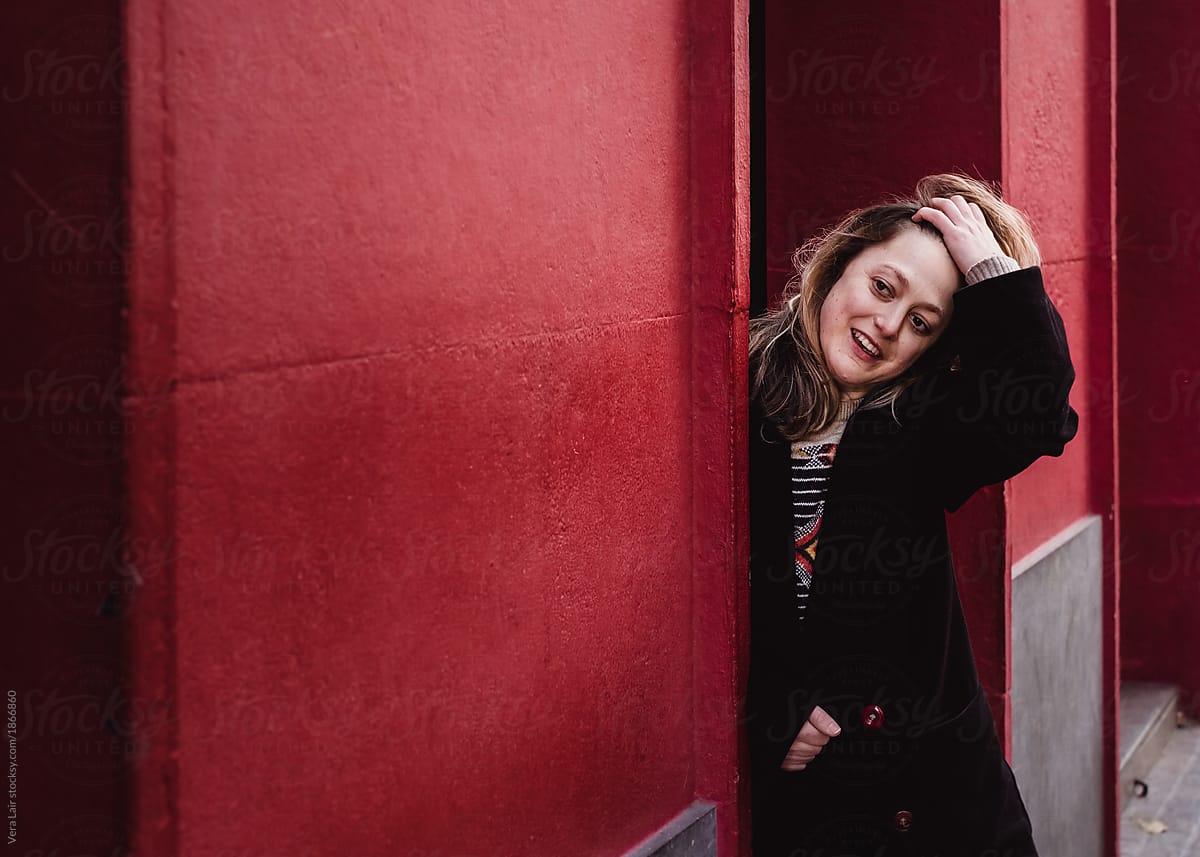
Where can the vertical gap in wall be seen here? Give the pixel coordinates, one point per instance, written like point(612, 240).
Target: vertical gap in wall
point(756, 50)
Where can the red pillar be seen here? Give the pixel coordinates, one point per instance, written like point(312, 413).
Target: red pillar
point(452, 302)
point(719, 101)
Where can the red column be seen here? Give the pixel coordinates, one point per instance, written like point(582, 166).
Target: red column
point(720, 230)
point(452, 302)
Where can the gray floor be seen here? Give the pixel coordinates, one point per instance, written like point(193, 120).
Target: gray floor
point(1173, 799)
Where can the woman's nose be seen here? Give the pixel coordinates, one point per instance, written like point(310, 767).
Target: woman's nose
point(888, 324)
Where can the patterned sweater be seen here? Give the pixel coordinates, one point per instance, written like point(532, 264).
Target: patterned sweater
point(812, 462)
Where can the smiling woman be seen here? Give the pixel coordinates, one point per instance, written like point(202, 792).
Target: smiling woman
point(875, 408)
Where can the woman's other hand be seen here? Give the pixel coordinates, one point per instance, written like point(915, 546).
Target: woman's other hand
point(814, 735)
point(964, 229)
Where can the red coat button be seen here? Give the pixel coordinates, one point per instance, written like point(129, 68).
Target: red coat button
point(872, 716)
point(903, 820)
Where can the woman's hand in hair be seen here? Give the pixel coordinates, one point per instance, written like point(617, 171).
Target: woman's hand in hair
point(964, 229)
point(814, 735)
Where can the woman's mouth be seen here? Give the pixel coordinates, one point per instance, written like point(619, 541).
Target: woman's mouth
point(865, 345)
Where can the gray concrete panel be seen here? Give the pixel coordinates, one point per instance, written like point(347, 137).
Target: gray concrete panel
point(1057, 686)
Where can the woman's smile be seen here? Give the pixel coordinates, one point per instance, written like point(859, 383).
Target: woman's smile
point(866, 346)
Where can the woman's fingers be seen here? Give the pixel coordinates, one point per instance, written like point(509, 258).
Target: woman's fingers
point(956, 206)
point(946, 213)
point(964, 229)
point(961, 206)
point(818, 729)
point(796, 755)
point(823, 722)
point(813, 735)
point(797, 759)
point(935, 217)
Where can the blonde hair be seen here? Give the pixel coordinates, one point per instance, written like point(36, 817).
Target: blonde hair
point(791, 382)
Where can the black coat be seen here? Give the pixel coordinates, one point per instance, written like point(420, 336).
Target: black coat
point(884, 625)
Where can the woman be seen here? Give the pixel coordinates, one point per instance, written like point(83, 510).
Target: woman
point(915, 358)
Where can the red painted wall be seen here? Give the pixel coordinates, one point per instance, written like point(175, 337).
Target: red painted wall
point(1159, 214)
point(454, 514)
point(862, 102)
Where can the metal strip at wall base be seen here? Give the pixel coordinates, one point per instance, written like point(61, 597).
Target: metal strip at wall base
point(692, 833)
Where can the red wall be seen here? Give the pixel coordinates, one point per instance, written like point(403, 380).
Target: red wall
point(434, 286)
point(1159, 214)
point(863, 101)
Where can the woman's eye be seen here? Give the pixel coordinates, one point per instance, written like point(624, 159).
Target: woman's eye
point(920, 324)
point(881, 286)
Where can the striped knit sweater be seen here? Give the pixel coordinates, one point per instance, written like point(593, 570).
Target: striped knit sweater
point(812, 462)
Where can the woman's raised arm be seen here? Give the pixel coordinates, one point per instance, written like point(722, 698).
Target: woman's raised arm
point(1004, 403)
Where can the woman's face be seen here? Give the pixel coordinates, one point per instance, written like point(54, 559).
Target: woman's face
point(890, 304)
